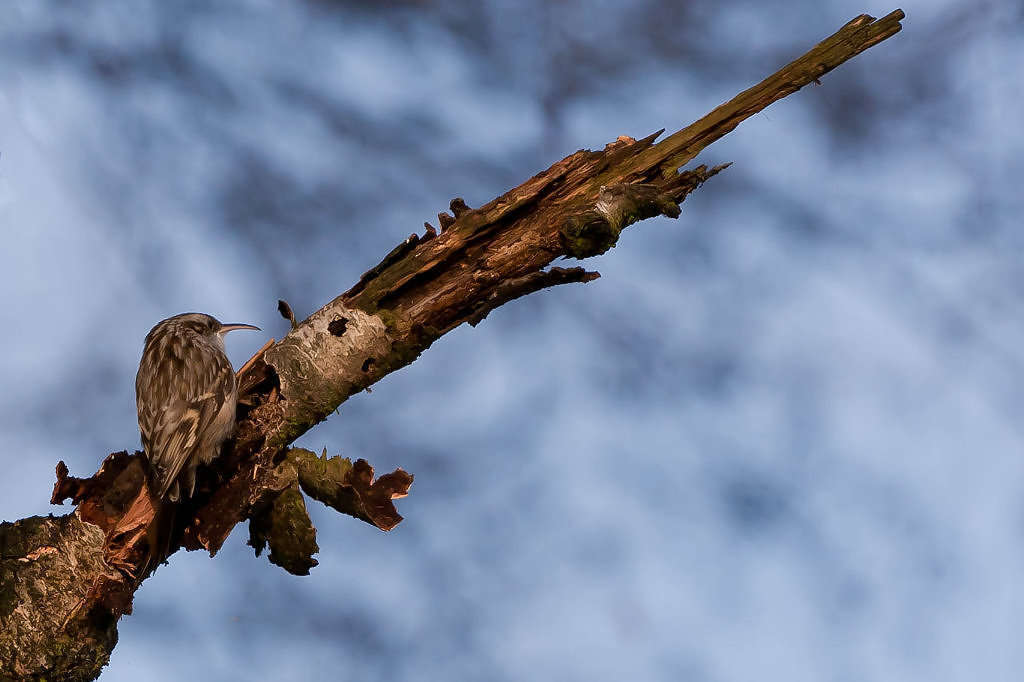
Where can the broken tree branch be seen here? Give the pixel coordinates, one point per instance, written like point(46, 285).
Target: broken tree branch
point(65, 581)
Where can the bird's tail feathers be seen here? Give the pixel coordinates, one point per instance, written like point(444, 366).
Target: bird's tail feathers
point(159, 537)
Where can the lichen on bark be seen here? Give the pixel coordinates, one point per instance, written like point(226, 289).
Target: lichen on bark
point(48, 568)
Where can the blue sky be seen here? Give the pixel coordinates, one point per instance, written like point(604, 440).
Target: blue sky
point(778, 439)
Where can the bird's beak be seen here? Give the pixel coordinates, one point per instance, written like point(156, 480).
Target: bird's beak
point(225, 328)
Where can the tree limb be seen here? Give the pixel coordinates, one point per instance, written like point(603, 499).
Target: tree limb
point(65, 581)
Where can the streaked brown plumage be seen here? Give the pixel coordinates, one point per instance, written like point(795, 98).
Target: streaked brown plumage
point(186, 397)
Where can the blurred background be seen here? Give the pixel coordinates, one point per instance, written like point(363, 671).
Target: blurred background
point(779, 439)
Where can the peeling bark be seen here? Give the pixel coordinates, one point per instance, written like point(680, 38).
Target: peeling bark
point(65, 581)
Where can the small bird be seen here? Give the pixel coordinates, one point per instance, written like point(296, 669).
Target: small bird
point(186, 396)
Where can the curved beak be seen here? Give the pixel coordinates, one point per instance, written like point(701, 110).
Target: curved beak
point(225, 328)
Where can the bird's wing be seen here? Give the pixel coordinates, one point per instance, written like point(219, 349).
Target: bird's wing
point(194, 389)
point(177, 435)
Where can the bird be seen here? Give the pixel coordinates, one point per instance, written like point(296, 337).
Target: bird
point(186, 396)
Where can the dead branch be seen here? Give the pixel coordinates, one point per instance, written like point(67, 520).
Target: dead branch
point(65, 581)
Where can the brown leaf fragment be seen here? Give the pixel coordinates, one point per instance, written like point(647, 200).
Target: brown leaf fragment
point(350, 487)
point(376, 496)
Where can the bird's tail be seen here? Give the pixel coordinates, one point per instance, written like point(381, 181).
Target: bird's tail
point(158, 538)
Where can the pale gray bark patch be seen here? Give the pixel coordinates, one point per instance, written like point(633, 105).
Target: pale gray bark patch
point(318, 367)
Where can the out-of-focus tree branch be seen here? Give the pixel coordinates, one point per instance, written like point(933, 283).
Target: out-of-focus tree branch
point(65, 581)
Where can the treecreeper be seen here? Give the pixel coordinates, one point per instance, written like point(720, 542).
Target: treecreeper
point(186, 396)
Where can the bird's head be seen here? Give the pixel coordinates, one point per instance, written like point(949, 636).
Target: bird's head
point(203, 325)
